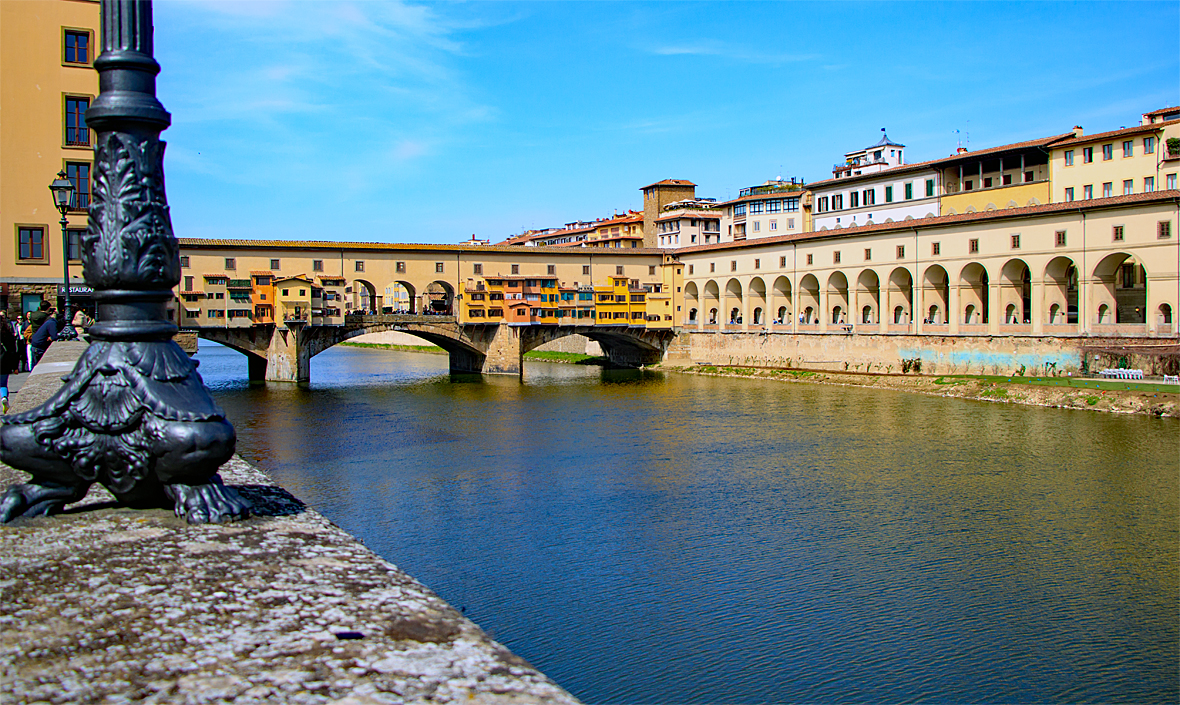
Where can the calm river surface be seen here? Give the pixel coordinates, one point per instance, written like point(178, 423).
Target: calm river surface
point(652, 538)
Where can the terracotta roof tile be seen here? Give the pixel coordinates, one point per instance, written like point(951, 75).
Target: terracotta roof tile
point(670, 182)
point(1115, 134)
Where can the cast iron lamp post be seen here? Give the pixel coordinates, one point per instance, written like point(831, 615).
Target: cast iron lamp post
point(134, 414)
point(64, 197)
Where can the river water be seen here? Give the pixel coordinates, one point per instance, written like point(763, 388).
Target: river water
point(657, 538)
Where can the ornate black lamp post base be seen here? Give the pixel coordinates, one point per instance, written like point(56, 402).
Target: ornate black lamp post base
point(134, 414)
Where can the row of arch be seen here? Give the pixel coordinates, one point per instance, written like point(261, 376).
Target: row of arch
point(1118, 285)
point(400, 296)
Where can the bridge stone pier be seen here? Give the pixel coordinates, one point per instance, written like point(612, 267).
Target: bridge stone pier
point(283, 353)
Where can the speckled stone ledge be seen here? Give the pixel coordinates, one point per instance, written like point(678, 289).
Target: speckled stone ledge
point(109, 605)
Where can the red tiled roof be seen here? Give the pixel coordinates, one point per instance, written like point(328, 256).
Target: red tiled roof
point(980, 216)
point(312, 245)
point(935, 163)
point(261, 272)
point(680, 213)
point(1162, 111)
point(1115, 134)
point(670, 182)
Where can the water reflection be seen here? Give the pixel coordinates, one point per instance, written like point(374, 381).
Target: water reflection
point(651, 538)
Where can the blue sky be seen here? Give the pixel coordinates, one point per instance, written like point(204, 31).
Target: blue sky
point(410, 122)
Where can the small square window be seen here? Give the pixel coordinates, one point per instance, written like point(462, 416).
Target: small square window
point(317, 265)
point(810, 259)
point(1149, 145)
point(31, 243)
point(231, 263)
point(1087, 192)
point(868, 254)
point(1016, 241)
point(901, 251)
point(184, 261)
point(1028, 177)
point(551, 269)
point(1107, 152)
point(1128, 187)
point(1069, 194)
point(477, 268)
point(651, 270)
point(757, 264)
point(973, 245)
point(619, 270)
point(691, 268)
point(516, 269)
point(782, 262)
point(1107, 189)
point(1165, 229)
point(836, 257)
point(1148, 184)
point(586, 270)
point(712, 266)
point(733, 265)
point(1129, 148)
point(438, 267)
point(1087, 154)
point(1117, 233)
point(274, 264)
point(77, 47)
point(400, 267)
point(1069, 157)
point(360, 265)
point(936, 248)
point(1059, 238)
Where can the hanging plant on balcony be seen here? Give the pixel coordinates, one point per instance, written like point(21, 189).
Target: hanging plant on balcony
point(1173, 146)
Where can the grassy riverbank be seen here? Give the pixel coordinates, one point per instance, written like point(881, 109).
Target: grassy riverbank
point(541, 355)
point(1117, 396)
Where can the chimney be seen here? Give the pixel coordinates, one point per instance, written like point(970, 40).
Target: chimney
point(1077, 130)
point(961, 150)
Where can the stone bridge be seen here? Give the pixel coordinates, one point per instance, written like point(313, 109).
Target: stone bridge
point(283, 353)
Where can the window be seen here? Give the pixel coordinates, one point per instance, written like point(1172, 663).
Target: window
point(755, 207)
point(586, 269)
point(1165, 229)
point(1107, 189)
point(1117, 233)
point(936, 248)
point(854, 199)
point(810, 259)
point(1128, 187)
point(757, 263)
point(823, 203)
point(973, 245)
point(691, 268)
point(438, 267)
point(477, 268)
point(838, 202)
point(1016, 241)
point(651, 270)
point(359, 265)
point(968, 185)
point(791, 221)
point(286, 292)
point(1107, 152)
point(1149, 145)
point(1028, 177)
point(773, 224)
point(889, 194)
point(77, 135)
point(549, 269)
point(184, 261)
point(188, 283)
point(782, 262)
point(77, 47)
point(1148, 184)
point(1171, 182)
point(1059, 238)
point(274, 264)
point(1087, 154)
point(317, 265)
point(712, 266)
point(1087, 192)
point(733, 265)
point(868, 254)
point(1069, 193)
point(516, 269)
point(909, 191)
point(1069, 157)
point(74, 244)
point(31, 243)
point(987, 182)
point(79, 175)
point(400, 267)
point(619, 270)
point(757, 225)
point(231, 263)
point(836, 257)
point(901, 251)
point(1129, 148)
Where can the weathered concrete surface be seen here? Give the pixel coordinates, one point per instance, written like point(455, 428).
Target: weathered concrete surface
point(889, 353)
point(104, 604)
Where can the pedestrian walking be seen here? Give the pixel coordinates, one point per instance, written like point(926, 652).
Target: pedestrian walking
point(9, 358)
point(44, 337)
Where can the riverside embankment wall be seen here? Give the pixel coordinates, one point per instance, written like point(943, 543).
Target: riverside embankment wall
point(107, 604)
point(883, 353)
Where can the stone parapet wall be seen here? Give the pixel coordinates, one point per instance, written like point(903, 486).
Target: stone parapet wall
point(889, 353)
point(107, 604)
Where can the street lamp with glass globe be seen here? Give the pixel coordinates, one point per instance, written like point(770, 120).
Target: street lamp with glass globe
point(63, 198)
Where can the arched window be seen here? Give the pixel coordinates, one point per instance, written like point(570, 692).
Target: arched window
point(837, 315)
point(1165, 314)
point(1010, 316)
point(866, 314)
point(1054, 314)
point(757, 316)
point(692, 315)
point(782, 314)
point(1104, 314)
point(899, 315)
point(935, 316)
point(969, 314)
point(713, 316)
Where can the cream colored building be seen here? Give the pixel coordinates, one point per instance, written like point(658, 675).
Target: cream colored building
point(1116, 163)
point(47, 50)
point(1106, 267)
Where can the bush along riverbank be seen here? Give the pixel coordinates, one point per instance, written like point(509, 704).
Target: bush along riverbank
point(1058, 392)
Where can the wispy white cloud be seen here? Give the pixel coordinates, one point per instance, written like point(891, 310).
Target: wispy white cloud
point(711, 47)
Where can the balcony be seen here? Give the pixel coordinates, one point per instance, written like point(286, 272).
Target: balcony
point(239, 284)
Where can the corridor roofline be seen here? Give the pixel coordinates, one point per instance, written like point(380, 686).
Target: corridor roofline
point(999, 214)
point(213, 243)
